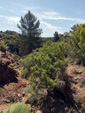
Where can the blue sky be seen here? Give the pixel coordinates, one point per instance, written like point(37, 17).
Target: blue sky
point(54, 15)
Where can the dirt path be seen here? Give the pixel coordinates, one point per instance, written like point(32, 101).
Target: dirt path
point(76, 74)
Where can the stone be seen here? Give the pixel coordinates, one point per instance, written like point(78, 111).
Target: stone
point(7, 74)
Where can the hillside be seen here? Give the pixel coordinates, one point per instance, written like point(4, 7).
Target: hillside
point(42, 75)
point(11, 84)
point(13, 90)
point(74, 102)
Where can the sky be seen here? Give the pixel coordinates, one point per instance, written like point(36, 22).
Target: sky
point(54, 15)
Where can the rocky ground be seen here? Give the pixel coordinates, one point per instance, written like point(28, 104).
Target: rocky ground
point(76, 75)
point(12, 87)
point(74, 99)
point(12, 92)
point(7, 73)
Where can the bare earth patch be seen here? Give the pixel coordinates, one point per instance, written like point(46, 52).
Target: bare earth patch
point(12, 92)
point(76, 74)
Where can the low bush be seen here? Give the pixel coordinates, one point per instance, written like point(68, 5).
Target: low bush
point(24, 73)
point(36, 96)
point(12, 64)
point(17, 108)
point(3, 46)
point(47, 65)
point(77, 42)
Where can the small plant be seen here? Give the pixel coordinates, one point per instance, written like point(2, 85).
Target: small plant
point(78, 43)
point(17, 108)
point(12, 65)
point(24, 73)
point(3, 46)
point(16, 57)
point(36, 96)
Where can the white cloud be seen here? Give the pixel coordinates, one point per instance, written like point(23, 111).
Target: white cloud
point(1, 7)
point(10, 19)
point(52, 15)
point(50, 26)
point(8, 23)
point(48, 29)
point(47, 15)
point(14, 19)
point(79, 20)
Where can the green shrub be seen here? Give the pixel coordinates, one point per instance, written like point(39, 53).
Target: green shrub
point(3, 46)
point(36, 95)
point(78, 43)
point(16, 57)
point(46, 65)
point(12, 41)
point(45, 69)
point(17, 108)
point(12, 65)
point(24, 73)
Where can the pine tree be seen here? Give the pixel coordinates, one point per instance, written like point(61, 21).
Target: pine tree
point(30, 39)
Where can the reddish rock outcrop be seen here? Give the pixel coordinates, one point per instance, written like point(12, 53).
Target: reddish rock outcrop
point(7, 74)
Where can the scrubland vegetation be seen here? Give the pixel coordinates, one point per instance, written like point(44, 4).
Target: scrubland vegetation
point(17, 108)
point(44, 60)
